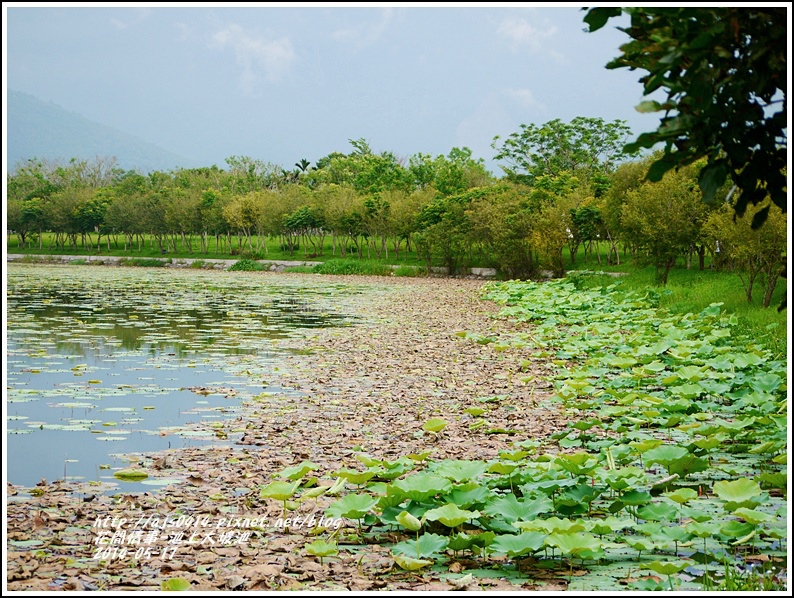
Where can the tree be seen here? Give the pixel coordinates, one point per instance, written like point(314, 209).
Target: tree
point(725, 73)
point(586, 148)
point(247, 174)
point(502, 218)
point(755, 253)
point(449, 175)
point(368, 173)
point(663, 220)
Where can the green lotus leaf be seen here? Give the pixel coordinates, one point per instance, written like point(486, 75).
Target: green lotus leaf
point(635, 498)
point(579, 494)
point(408, 521)
point(130, 475)
point(460, 471)
point(411, 564)
point(421, 486)
point(640, 544)
point(668, 567)
point(368, 461)
point(426, 545)
point(352, 506)
point(466, 495)
point(502, 468)
point(434, 425)
point(736, 529)
point(658, 512)
point(298, 471)
point(737, 491)
point(450, 515)
point(518, 545)
point(574, 543)
point(321, 548)
point(279, 490)
point(682, 495)
point(687, 465)
point(664, 455)
point(753, 516)
point(552, 525)
point(474, 411)
point(512, 509)
point(609, 525)
point(357, 477)
point(175, 584)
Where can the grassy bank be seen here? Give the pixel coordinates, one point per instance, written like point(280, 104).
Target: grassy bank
point(688, 290)
point(691, 291)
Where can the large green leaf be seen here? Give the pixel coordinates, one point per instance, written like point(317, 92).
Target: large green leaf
point(512, 509)
point(575, 544)
point(668, 567)
point(279, 490)
point(357, 477)
point(468, 494)
point(408, 521)
point(460, 471)
point(175, 584)
point(658, 512)
point(737, 491)
point(581, 463)
point(450, 515)
point(130, 475)
point(322, 548)
point(426, 545)
point(518, 545)
point(352, 506)
point(753, 516)
point(411, 564)
point(421, 486)
point(298, 471)
point(552, 525)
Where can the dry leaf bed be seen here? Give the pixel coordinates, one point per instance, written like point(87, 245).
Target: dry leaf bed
point(365, 388)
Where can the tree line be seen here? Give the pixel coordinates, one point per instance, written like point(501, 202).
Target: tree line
point(566, 188)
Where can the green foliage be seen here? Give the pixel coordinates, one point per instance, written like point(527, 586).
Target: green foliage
point(410, 271)
point(352, 266)
point(175, 584)
point(585, 148)
point(752, 253)
point(737, 122)
point(246, 265)
point(144, 262)
point(663, 220)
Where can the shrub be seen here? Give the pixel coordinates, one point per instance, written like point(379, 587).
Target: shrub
point(144, 262)
point(350, 266)
point(410, 271)
point(246, 265)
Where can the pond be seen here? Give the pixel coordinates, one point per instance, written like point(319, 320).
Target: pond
point(106, 362)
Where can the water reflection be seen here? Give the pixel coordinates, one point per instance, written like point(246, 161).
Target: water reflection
point(100, 361)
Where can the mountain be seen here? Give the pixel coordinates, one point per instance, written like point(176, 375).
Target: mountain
point(44, 130)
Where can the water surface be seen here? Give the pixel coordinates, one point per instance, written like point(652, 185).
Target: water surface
point(106, 362)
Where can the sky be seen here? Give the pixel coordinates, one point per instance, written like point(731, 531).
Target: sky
point(284, 82)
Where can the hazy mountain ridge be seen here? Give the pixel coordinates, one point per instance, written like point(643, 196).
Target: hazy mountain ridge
point(45, 130)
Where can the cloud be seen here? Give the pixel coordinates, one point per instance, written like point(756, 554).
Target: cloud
point(521, 32)
point(259, 58)
point(476, 130)
point(138, 15)
point(524, 98)
point(365, 34)
point(185, 32)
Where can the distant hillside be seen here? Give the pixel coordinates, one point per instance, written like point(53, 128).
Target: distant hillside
point(45, 130)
